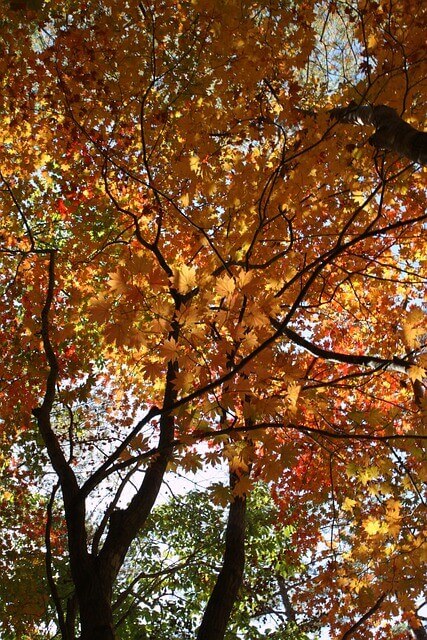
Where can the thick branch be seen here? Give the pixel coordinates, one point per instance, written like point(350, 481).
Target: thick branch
point(363, 618)
point(125, 524)
point(20, 211)
point(74, 506)
point(391, 131)
point(336, 435)
point(284, 595)
point(396, 364)
point(49, 568)
point(65, 474)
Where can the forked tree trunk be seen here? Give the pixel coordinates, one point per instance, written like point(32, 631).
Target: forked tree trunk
point(94, 593)
point(225, 591)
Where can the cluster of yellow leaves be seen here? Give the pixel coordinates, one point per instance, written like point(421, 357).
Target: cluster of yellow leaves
point(414, 327)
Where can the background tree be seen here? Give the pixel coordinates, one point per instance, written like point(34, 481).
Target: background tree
point(203, 263)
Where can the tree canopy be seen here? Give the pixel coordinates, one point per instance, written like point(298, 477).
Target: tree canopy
point(213, 255)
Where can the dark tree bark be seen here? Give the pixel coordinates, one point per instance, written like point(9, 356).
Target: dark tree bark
point(391, 131)
point(94, 597)
point(225, 591)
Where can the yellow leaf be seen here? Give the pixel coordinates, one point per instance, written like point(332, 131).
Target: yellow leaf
point(185, 199)
point(392, 509)
point(358, 197)
point(292, 395)
point(184, 279)
point(244, 278)
point(195, 164)
point(416, 373)
point(169, 349)
point(368, 474)
point(348, 504)
point(413, 326)
point(372, 526)
point(372, 41)
point(225, 286)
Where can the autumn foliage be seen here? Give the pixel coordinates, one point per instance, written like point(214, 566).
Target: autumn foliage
point(208, 263)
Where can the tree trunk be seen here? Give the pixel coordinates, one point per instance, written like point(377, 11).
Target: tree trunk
point(94, 598)
point(391, 131)
point(224, 594)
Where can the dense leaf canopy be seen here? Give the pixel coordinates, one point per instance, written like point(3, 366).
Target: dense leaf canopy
point(213, 254)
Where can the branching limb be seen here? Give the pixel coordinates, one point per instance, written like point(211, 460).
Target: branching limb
point(284, 595)
point(21, 213)
point(73, 504)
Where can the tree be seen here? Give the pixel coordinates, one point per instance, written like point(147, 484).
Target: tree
point(203, 261)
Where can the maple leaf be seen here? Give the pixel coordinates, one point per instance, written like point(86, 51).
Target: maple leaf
point(169, 349)
point(195, 164)
point(225, 285)
point(243, 486)
point(184, 278)
point(185, 199)
point(349, 504)
point(413, 326)
point(292, 395)
point(373, 527)
point(416, 373)
point(118, 281)
point(100, 309)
